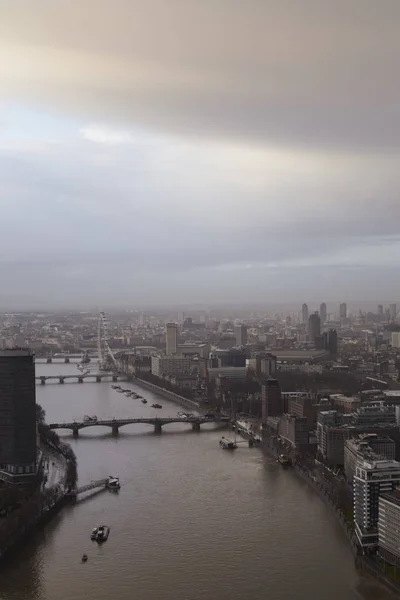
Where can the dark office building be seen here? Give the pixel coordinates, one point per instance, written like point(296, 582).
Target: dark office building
point(17, 416)
point(330, 341)
point(235, 357)
point(271, 399)
point(314, 327)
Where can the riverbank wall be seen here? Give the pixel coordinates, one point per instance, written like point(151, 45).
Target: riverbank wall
point(364, 563)
point(322, 492)
point(23, 529)
point(167, 394)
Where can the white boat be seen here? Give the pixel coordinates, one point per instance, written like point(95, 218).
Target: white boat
point(113, 483)
point(226, 444)
point(94, 533)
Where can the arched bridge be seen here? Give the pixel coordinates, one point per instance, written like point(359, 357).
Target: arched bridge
point(80, 377)
point(156, 422)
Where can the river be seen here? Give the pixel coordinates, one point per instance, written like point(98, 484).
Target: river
point(191, 522)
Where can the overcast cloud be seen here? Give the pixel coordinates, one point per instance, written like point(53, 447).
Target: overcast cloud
point(179, 151)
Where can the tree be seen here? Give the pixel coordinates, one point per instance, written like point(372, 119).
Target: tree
point(40, 414)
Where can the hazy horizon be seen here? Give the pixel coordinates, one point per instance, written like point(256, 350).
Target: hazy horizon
point(159, 153)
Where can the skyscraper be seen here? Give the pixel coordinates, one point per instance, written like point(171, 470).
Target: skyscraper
point(314, 327)
point(240, 333)
point(343, 310)
point(304, 313)
point(380, 310)
point(17, 416)
point(322, 313)
point(171, 338)
point(393, 311)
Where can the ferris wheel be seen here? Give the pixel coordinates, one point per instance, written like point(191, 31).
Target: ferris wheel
point(106, 358)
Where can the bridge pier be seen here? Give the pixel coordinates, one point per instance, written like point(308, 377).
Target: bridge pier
point(66, 360)
point(75, 432)
point(61, 379)
point(42, 380)
point(49, 360)
point(157, 427)
point(80, 379)
point(115, 378)
point(196, 426)
point(115, 430)
point(98, 378)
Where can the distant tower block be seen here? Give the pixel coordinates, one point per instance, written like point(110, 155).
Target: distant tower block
point(171, 338)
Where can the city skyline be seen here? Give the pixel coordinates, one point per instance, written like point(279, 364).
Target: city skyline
point(141, 162)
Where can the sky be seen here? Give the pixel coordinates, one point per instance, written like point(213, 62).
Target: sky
point(157, 152)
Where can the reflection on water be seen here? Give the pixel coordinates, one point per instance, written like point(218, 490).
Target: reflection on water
point(191, 521)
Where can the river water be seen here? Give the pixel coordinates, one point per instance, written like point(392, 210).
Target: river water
point(191, 522)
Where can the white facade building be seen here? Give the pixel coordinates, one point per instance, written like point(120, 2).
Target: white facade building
point(170, 365)
point(395, 339)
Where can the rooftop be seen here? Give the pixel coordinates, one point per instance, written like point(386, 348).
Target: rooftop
point(393, 497)
point(13, 352)
point(373, 463)
point(300, 355)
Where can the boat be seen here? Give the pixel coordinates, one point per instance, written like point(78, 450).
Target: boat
point(94, 533)
point(102, 533)
point(226, 444)
point(144, 401)
point(156, 406)
point(84, 557)
point(283, 460)
point(85, 358)
point(185, 415)
point(92, 419)
point(113, 483)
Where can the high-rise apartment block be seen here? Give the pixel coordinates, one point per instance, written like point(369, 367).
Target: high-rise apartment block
point(374, 476)
point(171, 338)
point(17, 416)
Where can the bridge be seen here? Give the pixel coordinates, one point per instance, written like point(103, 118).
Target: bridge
point(80, 377)
point(157, 422)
